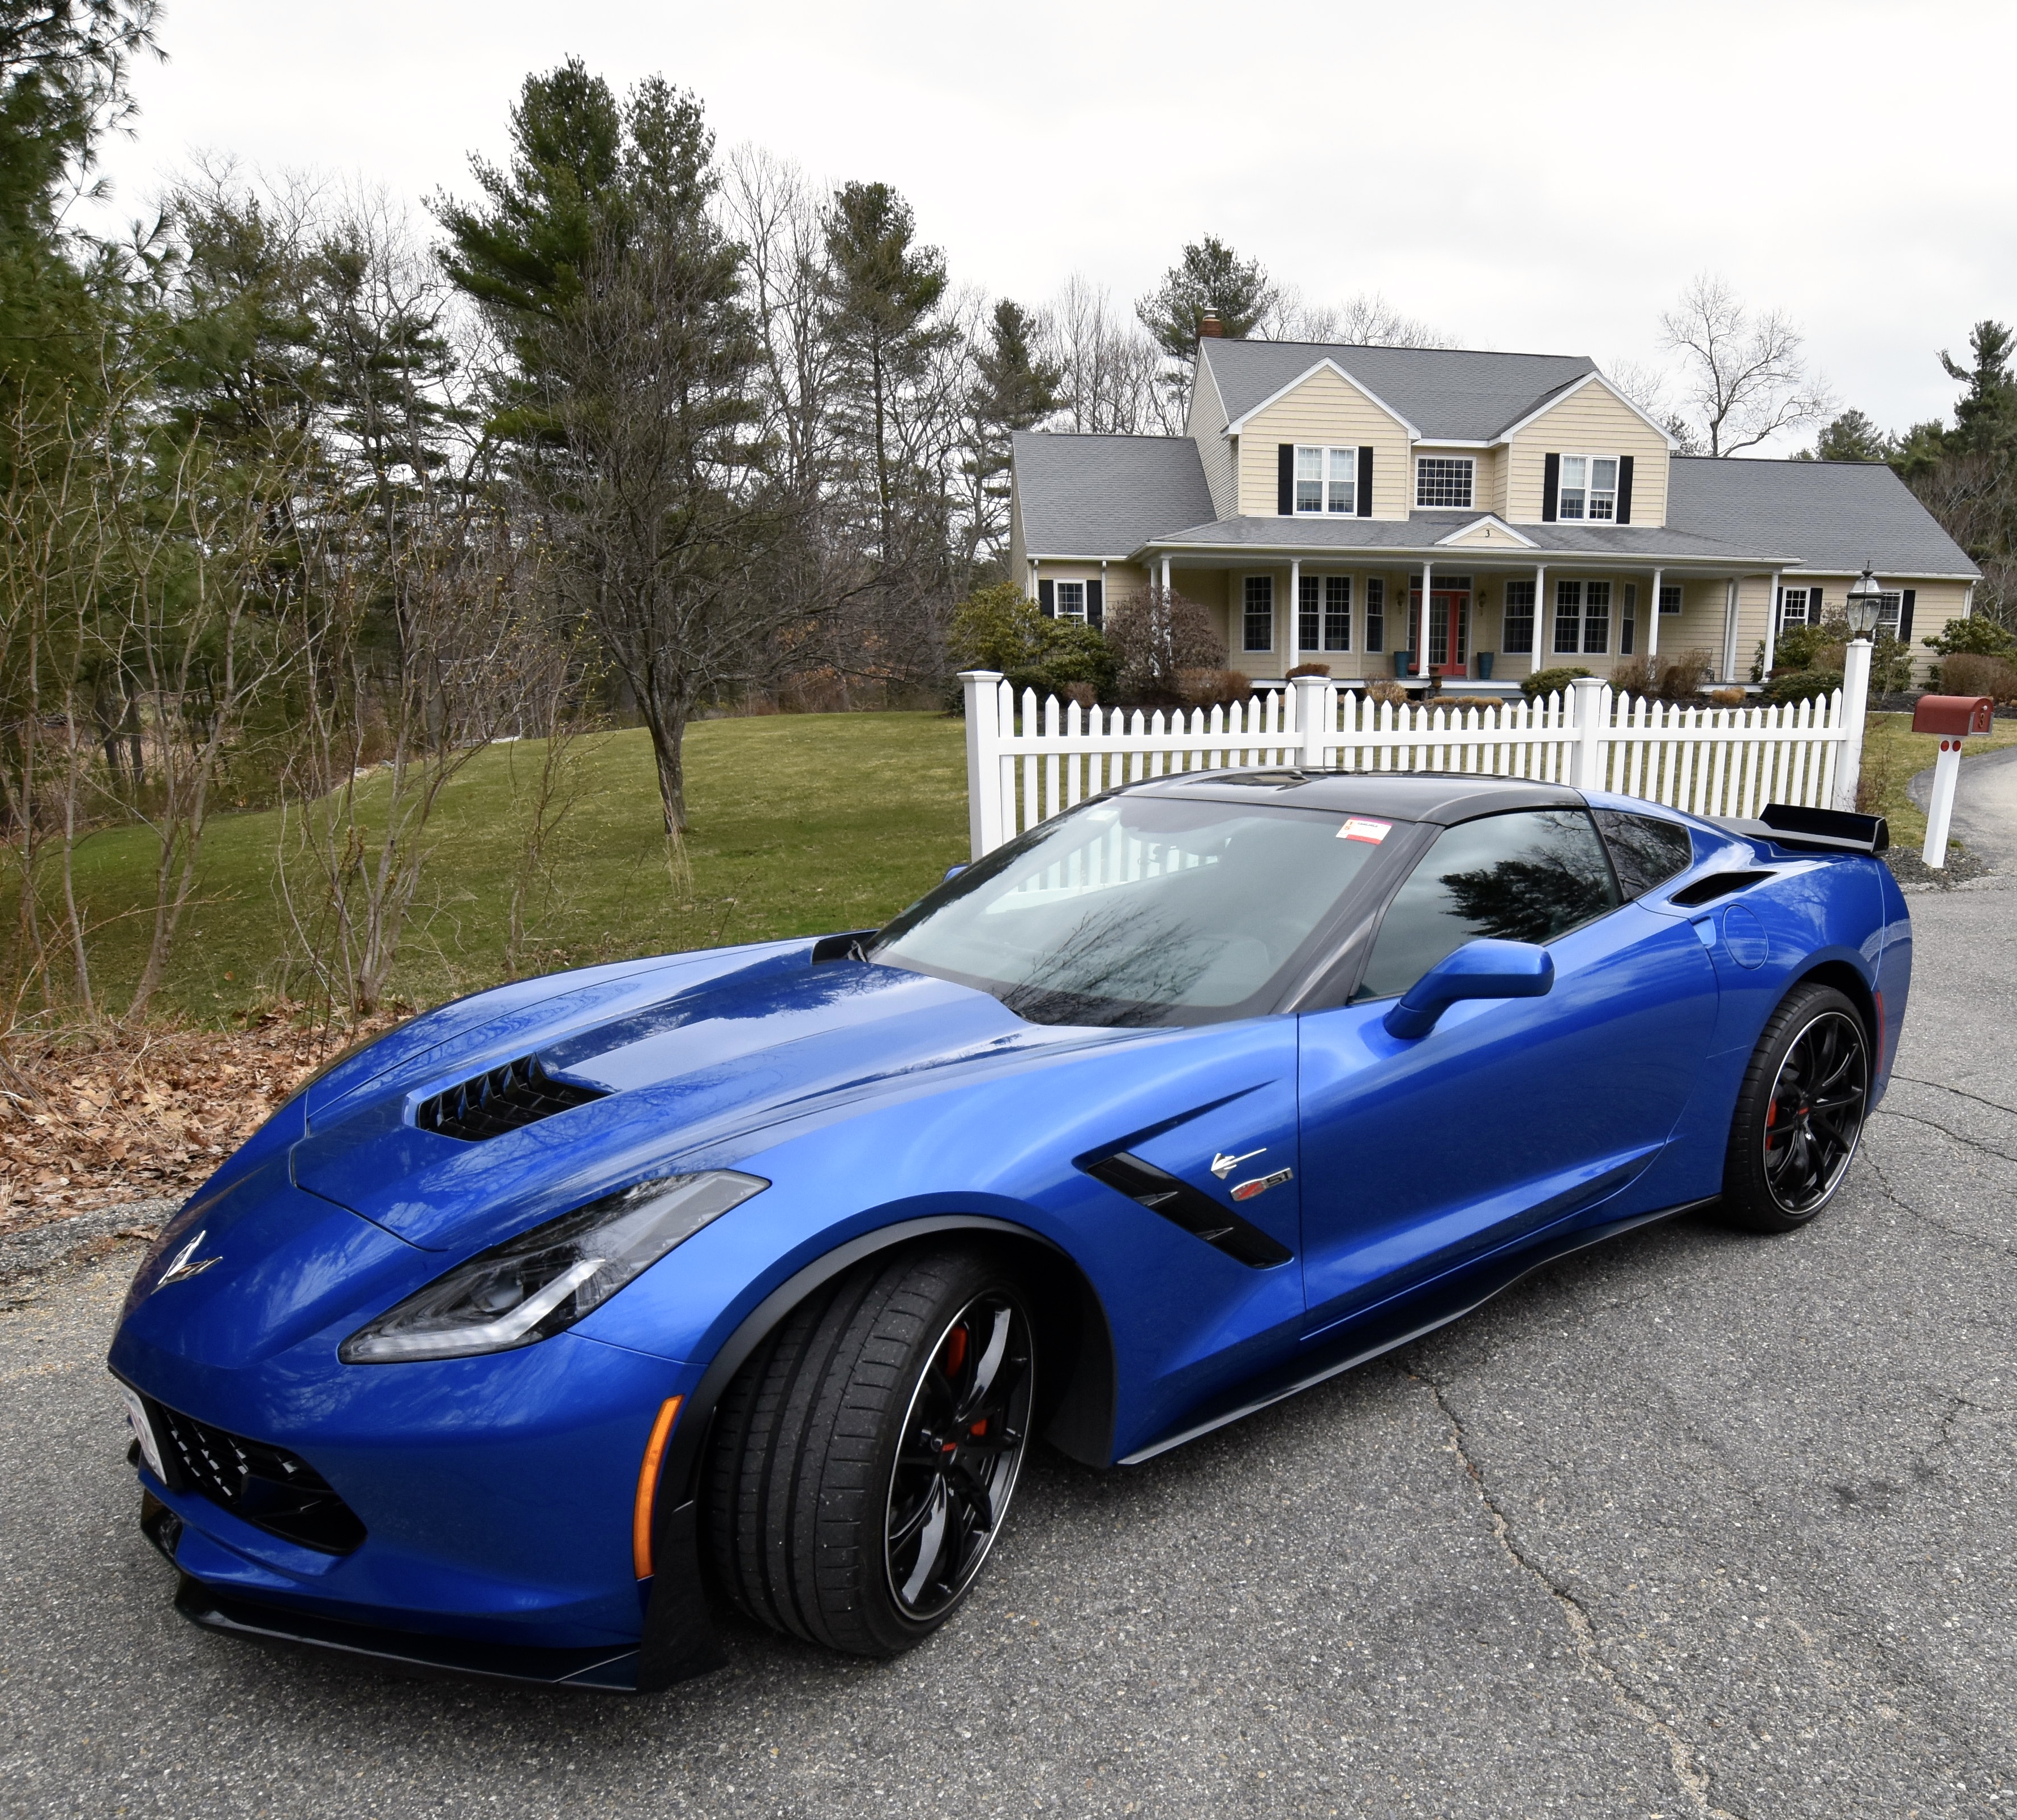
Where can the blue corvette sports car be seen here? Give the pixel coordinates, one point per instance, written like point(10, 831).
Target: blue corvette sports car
point(522, 1339)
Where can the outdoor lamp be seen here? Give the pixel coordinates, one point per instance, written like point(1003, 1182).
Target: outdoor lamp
point(1865, 604)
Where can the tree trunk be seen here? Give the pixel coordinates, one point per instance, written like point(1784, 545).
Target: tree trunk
point(667, 723)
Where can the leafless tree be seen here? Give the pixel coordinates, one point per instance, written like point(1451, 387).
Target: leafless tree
point(1158, 635)
point(1110, 367)
point(1367, 320)
point(1743, 377)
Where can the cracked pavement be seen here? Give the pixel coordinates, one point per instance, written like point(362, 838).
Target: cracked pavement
point(1698, 1524)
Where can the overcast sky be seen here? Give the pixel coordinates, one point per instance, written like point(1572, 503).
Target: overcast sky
point(1531, 177)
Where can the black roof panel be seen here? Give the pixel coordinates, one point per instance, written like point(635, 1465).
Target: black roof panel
point(1443, 797)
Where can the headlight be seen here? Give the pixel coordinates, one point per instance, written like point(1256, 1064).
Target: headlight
point(547, 1279)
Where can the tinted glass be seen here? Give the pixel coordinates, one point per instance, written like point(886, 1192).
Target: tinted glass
point(1645, 850)
point(1141, 910)
point(1525, 877)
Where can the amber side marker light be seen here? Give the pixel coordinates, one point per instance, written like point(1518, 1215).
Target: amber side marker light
point(647, 1487)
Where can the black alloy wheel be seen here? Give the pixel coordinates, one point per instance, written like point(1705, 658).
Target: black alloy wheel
point(861, 1462)
point(1800, 1112)
point(963, 1440)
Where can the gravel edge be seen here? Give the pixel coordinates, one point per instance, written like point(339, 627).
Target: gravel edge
point(27, 1258)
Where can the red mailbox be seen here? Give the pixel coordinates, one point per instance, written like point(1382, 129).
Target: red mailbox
point(1954, 716)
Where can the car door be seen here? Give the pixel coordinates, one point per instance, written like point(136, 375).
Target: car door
point(1512, 1117)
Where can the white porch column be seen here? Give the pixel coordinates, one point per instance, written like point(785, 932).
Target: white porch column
point(1543, 619)
point(1422, 624)
point(1032, 578)
point(1165, 575)
point(1295, 614)
point(1772, 620)
point(1733, 592)
point(1652, 624)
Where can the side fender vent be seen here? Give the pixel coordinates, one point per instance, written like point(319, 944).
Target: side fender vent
point(519, 1093)
point(1191, 1208)
point(1717, 885)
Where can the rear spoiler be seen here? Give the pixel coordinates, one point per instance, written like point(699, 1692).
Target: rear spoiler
point(1817, 830)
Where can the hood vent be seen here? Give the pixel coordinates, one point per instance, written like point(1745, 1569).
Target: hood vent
point(519, 1093)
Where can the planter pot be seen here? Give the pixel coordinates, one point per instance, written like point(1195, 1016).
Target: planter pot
point(1484, 660)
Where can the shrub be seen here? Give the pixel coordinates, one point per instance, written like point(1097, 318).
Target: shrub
point(1976, 636)
point(1970, 673)
point(1549, 682)
point(1728, 698)
point(1683, 675)
point(998, 628)
point(1212, 688)
point(1310, 669)
point(1799, 685)
point(1824, 646)
point(1636, 678)
point(1157, 635)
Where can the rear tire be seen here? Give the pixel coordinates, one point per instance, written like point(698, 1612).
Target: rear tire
point(1800, 1112)
point(863, 1460)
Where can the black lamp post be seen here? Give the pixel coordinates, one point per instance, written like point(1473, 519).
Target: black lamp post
point(1865, 604)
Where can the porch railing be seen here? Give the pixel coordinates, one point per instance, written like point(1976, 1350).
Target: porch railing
point(1027, 760)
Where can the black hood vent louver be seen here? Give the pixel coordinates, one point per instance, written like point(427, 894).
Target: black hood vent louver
point(519, 1093)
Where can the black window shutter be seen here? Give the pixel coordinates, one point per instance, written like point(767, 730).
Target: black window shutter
point(1624, 489)
point(1285, 479)
point(1366, 483)
point(1551, 484)
point(1095, 604)
point(1047, 599)
point(1905, 617)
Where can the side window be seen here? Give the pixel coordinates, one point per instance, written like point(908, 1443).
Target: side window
point(1645, 850)
point(1529, 876)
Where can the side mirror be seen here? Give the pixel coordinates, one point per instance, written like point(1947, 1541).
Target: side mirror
point(951, 873)
point(1479, 970)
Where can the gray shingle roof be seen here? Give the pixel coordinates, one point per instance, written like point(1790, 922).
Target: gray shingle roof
point(1837, 514)
point(1104, 495)
point(1443, 392)
point(1426, 529)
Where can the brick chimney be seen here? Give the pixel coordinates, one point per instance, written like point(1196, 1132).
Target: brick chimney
point(1211, 325)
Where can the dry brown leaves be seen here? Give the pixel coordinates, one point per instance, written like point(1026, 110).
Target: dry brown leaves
point(132, 1116)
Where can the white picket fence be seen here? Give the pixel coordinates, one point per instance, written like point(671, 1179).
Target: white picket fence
point(1028, 760)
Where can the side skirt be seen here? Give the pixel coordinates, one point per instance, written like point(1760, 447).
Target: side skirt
point(1358, 1351)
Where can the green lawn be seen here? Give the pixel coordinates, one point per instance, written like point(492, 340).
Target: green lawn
point(801, 824)
point(1894, 754)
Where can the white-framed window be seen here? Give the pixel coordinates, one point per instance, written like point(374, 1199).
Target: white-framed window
point(1071, 600)
point(1589, 488)
point(1337, 612)
point(1793, 608)
point(1309, 613)
point(1628, 620)
point(1376, 612)
point(1444, 480)
point(1516, 628)
point(1327, 479)
point(1670, 597)
point(1582, 618)
point(1889, 605)
point(1258, 621)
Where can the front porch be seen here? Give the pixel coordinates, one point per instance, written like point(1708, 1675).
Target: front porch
point(1489, 625)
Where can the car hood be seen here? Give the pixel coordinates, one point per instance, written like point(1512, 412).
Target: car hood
point(693, 1063)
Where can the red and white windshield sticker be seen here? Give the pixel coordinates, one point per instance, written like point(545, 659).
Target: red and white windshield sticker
point(1357, 828)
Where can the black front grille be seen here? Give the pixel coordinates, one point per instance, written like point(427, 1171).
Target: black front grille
point(269, 1487)
point(519, 1093)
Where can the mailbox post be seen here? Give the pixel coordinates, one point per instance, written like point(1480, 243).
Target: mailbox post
point(1952, 718)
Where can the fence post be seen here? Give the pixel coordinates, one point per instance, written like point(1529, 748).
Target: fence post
point(983, 755)
point(1316, 714)
point(1587, 773)
point(1855, 707)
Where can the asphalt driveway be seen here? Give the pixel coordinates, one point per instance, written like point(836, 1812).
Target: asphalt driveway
point(1698, 1524)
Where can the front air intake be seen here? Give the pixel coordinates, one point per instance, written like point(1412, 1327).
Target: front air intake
point(519, 1093)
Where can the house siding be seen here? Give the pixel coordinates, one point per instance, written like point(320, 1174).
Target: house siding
point(1593, 422)
point(1324, 409)
point(1206, 427)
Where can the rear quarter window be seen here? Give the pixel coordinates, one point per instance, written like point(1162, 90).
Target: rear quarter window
point(1645, 850)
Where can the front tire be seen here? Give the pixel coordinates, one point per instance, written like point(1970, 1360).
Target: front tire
point(1799, 1112)
point(863, 1460)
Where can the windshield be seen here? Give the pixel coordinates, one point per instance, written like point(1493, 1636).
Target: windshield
point(1141, 910)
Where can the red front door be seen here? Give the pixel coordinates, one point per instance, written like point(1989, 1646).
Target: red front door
point(1449, 629)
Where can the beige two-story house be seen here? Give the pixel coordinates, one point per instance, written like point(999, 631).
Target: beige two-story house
point(1431, 512)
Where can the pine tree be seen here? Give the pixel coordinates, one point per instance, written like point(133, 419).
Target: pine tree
point(1014, 387)
point(1210, 276)
point(1851, 437)
point(883, 321)
point(1986, 415)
